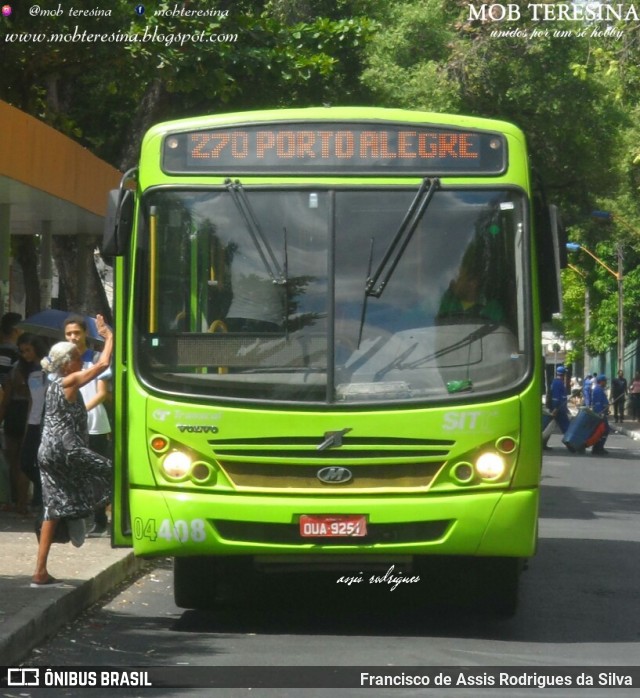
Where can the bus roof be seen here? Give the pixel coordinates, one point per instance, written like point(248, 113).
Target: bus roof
point(326, 113)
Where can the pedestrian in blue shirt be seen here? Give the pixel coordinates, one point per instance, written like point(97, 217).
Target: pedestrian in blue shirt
point(587, 389)
point(558, 405)
point(600, 405)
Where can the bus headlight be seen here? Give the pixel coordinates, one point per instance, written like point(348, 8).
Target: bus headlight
point(490, 466)
point(176, 464)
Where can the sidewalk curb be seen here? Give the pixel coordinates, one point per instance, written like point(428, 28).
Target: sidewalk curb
point(53, 609)
point(628, 432)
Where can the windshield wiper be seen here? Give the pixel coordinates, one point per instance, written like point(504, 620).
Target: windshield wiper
point(396, 248)
point(271, 264)
point(401, 239)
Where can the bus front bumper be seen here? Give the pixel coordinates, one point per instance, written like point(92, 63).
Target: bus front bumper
point(496, 523)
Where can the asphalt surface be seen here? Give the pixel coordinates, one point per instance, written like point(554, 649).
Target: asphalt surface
point(29, 616)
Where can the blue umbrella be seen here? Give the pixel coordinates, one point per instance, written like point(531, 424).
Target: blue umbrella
point(50, 323)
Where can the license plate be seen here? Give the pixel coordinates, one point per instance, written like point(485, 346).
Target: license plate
point(333, 526)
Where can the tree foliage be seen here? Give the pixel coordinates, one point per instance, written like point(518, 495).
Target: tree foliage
point(572, 86)
point(105, 95)
point(162, 64)
point(574, 89)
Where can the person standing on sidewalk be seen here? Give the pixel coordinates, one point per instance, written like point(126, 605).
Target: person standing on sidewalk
point(600, 405)
point(9, 355)
point(14, 410)
point(33, 349)
point(634, 391)
point(587, 387)
point(619, 390)
point(74, 478)
point(9, 333)
point(95, 394)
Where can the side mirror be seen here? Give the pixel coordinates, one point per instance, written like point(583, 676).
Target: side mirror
point(118, 222)
point(559, 240)
point(551, 252)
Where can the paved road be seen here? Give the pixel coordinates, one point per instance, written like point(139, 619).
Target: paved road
point(580, 604)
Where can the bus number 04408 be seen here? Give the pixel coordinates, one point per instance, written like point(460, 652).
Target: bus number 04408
point(179, 530)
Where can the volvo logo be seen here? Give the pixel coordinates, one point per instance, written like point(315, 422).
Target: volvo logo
point(334, 475)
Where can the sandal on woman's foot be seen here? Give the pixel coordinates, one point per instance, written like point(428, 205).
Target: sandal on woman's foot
point(50, 581)
point(77, 531)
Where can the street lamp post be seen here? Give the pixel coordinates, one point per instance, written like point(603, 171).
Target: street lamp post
point(587, 316)
point(620, 313)
point(575, 247)
point(610, 217)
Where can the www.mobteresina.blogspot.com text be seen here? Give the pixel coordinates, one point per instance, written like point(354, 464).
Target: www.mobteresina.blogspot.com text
point(149, 35)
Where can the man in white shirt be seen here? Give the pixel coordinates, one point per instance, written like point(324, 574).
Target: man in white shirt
point(94, 394)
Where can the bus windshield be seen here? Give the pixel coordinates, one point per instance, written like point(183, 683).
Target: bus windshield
point(260, 294)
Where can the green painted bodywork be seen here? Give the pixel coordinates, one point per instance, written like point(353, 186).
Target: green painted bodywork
point(162, 517)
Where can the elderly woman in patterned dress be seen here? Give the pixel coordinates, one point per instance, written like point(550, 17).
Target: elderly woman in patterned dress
point(74, 478)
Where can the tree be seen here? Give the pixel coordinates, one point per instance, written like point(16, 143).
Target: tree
point(278, 53)
point(432, 56)
point(162, 64)
point(26, 254)
point(408, 62)
point(572, 86)
point(613, 61)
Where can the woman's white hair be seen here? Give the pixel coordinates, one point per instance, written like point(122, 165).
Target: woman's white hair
point(59, 356)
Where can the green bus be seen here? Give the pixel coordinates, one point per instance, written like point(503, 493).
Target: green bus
point(328, 348)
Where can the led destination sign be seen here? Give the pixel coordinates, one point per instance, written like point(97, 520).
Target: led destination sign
point(334, 148)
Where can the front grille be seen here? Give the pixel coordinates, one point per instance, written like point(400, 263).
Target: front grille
point(285, 476)
point(287, 464)
point(352, 448)
point(289, 534)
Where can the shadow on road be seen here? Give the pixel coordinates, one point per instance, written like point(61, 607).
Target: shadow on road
point(572, 592)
